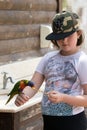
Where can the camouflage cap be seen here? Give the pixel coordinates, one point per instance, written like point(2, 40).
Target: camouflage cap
point(63, 25)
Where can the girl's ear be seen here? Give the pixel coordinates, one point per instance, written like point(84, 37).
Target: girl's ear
point(79, 33)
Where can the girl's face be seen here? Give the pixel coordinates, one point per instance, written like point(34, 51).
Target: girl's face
point(68, 45)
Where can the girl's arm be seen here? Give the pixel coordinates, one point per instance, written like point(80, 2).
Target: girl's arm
point(28, 92)
point(79, 100)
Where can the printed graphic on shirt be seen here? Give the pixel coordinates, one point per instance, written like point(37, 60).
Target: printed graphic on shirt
point(62, 77)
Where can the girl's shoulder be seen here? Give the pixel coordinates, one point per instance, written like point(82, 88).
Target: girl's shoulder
point(50, 54)
point(83, 56)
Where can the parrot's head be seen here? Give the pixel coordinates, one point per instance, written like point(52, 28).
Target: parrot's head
point(22, 85)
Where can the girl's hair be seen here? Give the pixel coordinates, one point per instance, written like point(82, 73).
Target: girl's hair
point(79, 42)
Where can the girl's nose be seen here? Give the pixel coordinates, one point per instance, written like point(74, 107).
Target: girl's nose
point(64, 41)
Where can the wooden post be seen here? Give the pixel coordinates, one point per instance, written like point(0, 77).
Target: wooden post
point(59, 5)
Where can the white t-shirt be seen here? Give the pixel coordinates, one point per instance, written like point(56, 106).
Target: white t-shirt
point(64, 74)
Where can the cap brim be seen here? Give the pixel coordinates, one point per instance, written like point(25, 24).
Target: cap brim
point(55, 36)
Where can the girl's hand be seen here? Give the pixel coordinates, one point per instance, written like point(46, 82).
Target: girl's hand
point(24, 96)
point(21, 99)
point(55, 96)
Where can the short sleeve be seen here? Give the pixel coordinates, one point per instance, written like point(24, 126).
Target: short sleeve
point(82, 70)
point(41, 66)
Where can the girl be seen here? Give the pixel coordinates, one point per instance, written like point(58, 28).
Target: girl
point(64, 73)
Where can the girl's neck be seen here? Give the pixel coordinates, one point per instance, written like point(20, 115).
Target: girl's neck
point(66, 53)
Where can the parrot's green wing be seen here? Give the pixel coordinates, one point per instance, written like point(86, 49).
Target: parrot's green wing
point(14, 91)
point(15, 88)
point(11, 96)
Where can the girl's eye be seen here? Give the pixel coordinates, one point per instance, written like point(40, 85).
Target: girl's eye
point(59, 40)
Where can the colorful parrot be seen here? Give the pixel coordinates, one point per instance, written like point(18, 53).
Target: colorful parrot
point(17, 89)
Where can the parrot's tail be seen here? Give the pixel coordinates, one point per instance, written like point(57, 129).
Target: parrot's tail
point(9, 99)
